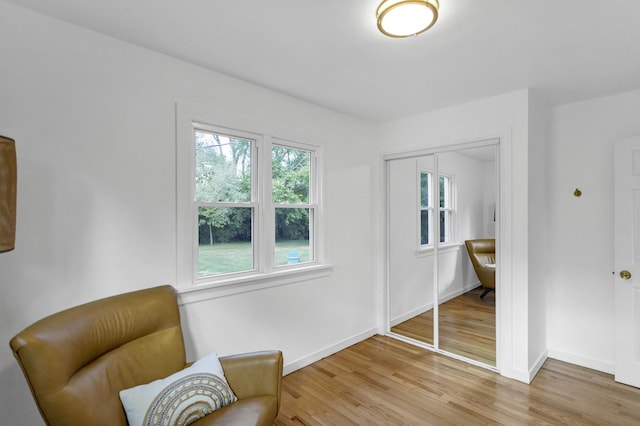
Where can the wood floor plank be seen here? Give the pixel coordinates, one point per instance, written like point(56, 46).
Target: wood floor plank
point(383, 381)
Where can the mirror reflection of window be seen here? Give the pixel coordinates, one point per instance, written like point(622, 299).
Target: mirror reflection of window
point(446, 208)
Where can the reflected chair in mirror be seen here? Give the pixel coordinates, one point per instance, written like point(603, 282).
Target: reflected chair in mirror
point(77, 361)
point(482, 253)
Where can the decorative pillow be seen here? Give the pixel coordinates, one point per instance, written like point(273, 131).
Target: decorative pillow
point(181, 398)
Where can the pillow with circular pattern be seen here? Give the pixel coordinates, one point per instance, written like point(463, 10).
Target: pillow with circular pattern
point(180, 399)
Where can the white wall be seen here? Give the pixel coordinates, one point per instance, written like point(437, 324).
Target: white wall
point(475, 192)
point(94, 123)
point(537, 234)
point(580, 230)
point(490, 189)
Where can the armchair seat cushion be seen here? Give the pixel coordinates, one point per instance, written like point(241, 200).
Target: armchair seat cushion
point(257, 410)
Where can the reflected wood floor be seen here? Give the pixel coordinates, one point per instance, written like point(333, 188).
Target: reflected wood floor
point(383, 381)
point(467, 326)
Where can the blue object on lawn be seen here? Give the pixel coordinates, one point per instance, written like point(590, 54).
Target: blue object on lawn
point(293, 256)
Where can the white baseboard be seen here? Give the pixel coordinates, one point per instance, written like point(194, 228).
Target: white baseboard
point(519, 375)
point(407, 316)
point(593, 364)
point(424, 308)
point(290, 367)
point(446, 297)
point(537, 366)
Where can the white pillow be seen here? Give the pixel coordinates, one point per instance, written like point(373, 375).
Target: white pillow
point(181, 398)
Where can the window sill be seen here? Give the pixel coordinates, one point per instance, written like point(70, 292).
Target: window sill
point(443, 248)
point(249, 283)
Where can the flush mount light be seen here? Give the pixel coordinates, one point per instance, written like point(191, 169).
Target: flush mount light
point(404, 18)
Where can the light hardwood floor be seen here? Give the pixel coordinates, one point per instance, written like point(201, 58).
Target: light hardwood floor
point(467, 326)
point(383, 381)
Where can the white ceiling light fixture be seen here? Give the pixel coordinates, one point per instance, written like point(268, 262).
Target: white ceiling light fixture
point(405, 18)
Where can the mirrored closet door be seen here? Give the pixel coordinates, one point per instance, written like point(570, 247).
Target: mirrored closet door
point(440, 293)
point(411, 269)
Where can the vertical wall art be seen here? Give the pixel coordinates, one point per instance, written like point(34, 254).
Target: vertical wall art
point(8, 189)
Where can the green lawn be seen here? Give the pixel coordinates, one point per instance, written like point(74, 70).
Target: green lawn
point(235, 257)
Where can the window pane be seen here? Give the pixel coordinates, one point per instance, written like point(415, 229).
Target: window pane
point(445, 192)
point(292, 236)
point(424, 227)
point(290, 175)
point(446, 218)
point(224, 240)
point(424, 190)
point(223, 168)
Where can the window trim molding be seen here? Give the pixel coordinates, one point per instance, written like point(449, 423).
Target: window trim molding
point(442, 248)
point(186, 282)
point(252, 282)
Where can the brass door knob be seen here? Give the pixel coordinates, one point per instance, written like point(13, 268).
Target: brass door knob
point(625, 275)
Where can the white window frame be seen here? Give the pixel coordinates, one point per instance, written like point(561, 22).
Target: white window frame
point(434, 200)
point(255, 203)
point(450, 225)
point(192, 288)
point(312, 205)
point(428, 209)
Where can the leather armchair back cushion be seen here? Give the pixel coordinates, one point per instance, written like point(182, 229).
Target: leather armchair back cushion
point(485, 258)
point(482, 252)
point(128, 339)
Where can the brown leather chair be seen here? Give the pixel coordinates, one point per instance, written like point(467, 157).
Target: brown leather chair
point(77, 361)
point(482, 253)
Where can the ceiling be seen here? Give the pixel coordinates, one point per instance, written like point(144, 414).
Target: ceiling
point(330, 52)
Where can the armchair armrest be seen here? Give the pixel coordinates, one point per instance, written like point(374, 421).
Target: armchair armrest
point(254, 374)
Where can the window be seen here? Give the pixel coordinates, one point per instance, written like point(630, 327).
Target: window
point(225, 200)
point(231, 239)
point(445, 208)
point(291, 178)
point(248, 209)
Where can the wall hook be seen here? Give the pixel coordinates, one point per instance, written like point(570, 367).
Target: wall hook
point(577, 192)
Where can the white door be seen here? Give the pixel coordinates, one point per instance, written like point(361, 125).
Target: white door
point(627, 260)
